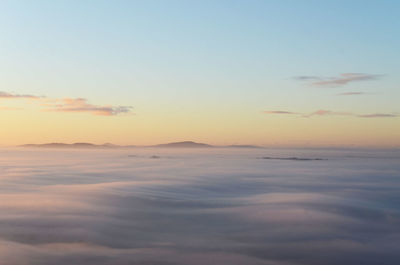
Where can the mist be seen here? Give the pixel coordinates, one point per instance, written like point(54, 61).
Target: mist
point(199, 206)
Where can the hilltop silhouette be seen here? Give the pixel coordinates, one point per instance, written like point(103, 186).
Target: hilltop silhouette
point(184, 144)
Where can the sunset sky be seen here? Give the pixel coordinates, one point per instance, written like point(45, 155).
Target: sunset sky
point(272, 73)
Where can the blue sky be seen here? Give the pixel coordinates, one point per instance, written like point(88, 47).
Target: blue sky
point(222, 56)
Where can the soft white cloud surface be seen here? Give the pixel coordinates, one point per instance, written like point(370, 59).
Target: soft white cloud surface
point(209, 206)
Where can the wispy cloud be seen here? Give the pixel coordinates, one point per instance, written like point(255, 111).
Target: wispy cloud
point(323, 112)
point(341, 80)
point(352, 94)
point(306, 77)
point(78, 105)
point(17, 96)
point(81, 105)
point(379, 115)
point(279, 112)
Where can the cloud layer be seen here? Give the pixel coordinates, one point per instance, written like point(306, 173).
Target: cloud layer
point(16, 96)
point(279, 112)
point(77, 105)
point(352, 94)
point(322, 112)
point(341, 80)
point(81, 105)
point(198, 207)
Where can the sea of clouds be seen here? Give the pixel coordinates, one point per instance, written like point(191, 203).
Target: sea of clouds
point(196, 207)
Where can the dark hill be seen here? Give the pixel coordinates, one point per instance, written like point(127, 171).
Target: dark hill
point(185, 144)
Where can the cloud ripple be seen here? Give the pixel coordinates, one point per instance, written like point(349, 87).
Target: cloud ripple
point(210, 207)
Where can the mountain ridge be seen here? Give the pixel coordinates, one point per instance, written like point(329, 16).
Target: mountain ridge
point(182, 144)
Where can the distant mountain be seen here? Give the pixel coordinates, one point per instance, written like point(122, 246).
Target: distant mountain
point(185, 144)
point(110, 145)
point(74, 145)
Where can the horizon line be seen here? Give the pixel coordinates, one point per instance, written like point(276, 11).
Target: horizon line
point(108, 145)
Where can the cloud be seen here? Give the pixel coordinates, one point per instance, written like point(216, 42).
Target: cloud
point(78, 105)
point(379, 115)
point(279, 112)
point(352, 93)
point(306, 77)
point(341, 80)
point(68, 207)
point(323, 112)
point(81, 105)
point(7, 95)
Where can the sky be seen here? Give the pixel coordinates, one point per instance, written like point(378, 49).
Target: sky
point(272, 73)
